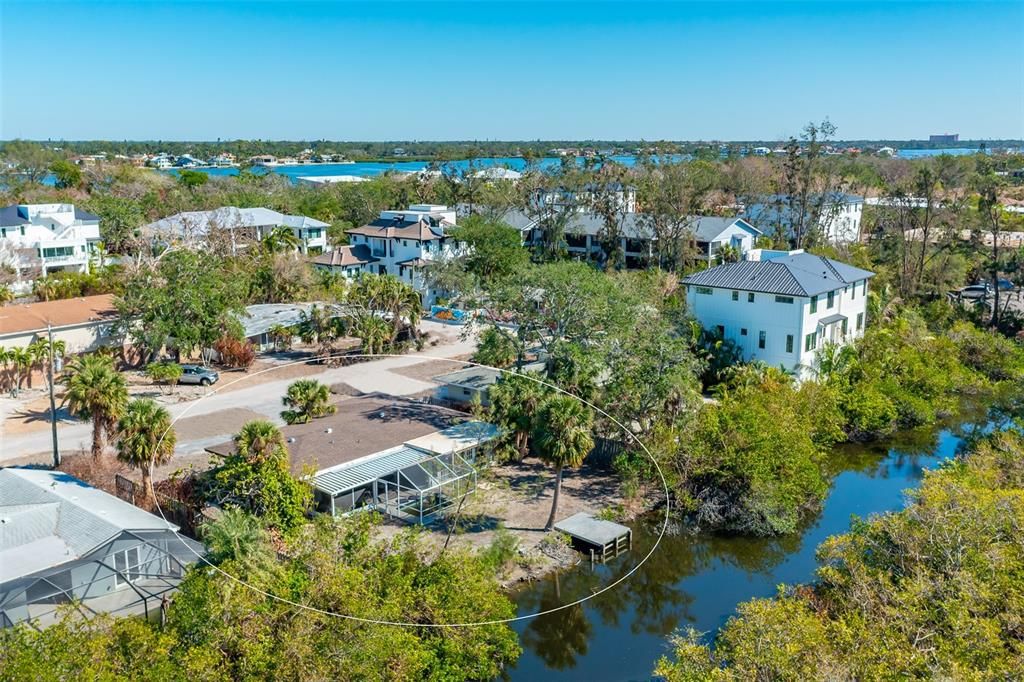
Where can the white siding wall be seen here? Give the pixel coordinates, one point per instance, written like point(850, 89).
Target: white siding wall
point(777, 320)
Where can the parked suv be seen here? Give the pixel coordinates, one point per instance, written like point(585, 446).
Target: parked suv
point(197, 374)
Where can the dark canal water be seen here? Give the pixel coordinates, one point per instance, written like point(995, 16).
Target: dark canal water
point(698, 580)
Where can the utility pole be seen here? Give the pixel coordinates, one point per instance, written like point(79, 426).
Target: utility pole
point(53, 402)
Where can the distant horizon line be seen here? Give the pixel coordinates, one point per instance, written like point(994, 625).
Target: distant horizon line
point(580, 141)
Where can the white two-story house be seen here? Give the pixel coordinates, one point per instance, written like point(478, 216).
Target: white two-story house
point(241, 226)
point(781, 307)
point(46, 238)
point(400, 243)
point(839, 215)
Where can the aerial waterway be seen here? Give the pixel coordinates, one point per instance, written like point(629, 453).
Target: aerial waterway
point(697, 580)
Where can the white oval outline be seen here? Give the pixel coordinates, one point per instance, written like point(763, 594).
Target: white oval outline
point(313, 609)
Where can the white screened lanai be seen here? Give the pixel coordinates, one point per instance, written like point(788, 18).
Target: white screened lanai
point(414, 481)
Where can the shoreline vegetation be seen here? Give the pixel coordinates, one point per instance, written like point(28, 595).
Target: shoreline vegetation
point(939, 584)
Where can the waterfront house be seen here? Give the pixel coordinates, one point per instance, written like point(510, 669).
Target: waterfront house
point(39, 239)
point(404, 458)
point(62, 540)
point(781, 307)
point(839, 215)
point(240, 226)
point(401, 243)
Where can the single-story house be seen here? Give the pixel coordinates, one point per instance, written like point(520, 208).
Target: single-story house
point(259, 319)
point(405, 458)
point(83, 324)
point(61, 540)
point(467, 386)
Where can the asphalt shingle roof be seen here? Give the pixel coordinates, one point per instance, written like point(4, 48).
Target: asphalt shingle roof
point(800, 274)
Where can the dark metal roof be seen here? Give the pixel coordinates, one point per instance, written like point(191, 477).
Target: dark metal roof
point(832, 319)
point(82, 214)
point(801, 274)
point(9, 217)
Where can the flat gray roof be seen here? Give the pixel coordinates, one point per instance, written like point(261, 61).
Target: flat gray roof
point(477, 378)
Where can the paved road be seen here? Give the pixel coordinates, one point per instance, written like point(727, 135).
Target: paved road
point(264, 398)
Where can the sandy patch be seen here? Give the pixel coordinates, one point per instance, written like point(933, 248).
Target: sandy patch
point(517, 497)
point(426, 371)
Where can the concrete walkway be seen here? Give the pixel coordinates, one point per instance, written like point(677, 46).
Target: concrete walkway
point(264, 399)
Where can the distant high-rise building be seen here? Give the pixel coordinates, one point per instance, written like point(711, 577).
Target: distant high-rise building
point(945, 138)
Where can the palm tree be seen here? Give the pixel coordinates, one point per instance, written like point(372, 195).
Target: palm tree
point(259, 440)
point(6, 356)
point(44, 288)
point(235, 536)
point(145, 439)
point(23, 360)
point(306, 399)
point(320, 327)
point(729, 254)
point(279, 240)
point(97, 391)
point(281, 336)
point(390, 295)
point(40, 349)
point(562, 439)
point(514, 402)
point(373, 331)
point(6, 294)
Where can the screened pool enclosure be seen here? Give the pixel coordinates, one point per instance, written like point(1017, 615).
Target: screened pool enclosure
point(415, 481)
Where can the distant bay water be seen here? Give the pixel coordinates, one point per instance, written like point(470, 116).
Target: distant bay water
point(369, 169)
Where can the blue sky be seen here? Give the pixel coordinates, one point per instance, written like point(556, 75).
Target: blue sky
point(509, 70)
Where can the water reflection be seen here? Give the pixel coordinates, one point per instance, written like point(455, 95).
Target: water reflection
point(698, 580)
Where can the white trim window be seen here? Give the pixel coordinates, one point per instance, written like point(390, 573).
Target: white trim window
point(127, 563)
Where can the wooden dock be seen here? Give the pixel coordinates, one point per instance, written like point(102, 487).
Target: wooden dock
point(601, 538)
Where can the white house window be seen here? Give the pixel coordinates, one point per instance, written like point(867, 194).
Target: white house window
point(864, 291)
point(762, 338)
point(831, 299)
point(811, 341)
point(706, 291)
point(750, 297)
point(789, 343)
point(128, 566)
point(735, 295)
point(814, 304)
point(783, 299)
point(743, 331)
point(860, 321)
